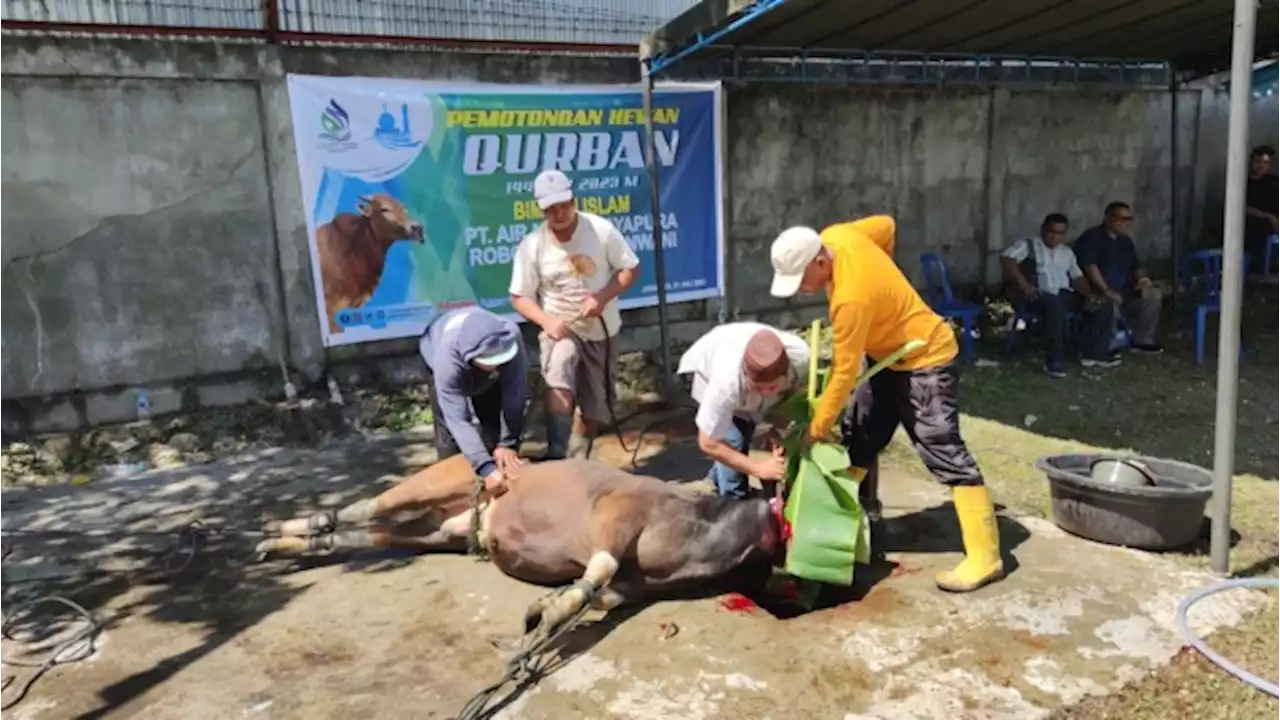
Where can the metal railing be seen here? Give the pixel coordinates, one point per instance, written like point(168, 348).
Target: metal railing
point(607, 26)
point(790, 65)
point(550, 22)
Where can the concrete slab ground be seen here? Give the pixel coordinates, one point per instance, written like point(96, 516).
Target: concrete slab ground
point(394, 636)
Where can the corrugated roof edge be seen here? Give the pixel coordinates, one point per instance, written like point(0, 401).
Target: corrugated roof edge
point(699, 18)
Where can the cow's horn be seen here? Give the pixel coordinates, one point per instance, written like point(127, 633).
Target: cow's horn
point(366, 199)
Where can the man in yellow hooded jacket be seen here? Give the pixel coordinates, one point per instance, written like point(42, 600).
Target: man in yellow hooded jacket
point(875, 310)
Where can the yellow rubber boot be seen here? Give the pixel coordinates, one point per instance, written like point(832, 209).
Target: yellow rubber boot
point(982, 564)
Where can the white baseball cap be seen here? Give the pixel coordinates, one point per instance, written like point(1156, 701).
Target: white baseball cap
point(791, 253)
point(552, 187)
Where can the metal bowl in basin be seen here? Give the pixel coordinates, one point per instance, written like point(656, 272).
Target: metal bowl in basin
point(1121, 473)
point(1165, 515)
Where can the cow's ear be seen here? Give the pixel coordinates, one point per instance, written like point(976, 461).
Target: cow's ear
point(365, 205)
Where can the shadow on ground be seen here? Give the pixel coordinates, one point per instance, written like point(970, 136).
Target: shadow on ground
point(130, 561)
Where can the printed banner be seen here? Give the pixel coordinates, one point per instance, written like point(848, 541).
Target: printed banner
point(417, 193)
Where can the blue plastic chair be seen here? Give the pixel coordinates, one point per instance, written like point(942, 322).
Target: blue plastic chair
point(1205, 265)
point(1269, 257)
point(1122, 336)
point(939, 296)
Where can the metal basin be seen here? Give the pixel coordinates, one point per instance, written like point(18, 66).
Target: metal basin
point(1162, 515)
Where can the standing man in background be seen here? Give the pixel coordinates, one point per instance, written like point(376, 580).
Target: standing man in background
point(566, 278)
point(1262, 204)
point(874, 309)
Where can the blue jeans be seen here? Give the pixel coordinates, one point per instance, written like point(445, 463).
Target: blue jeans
point(730, 482)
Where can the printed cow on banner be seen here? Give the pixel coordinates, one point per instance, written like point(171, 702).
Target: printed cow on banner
point(353, 252)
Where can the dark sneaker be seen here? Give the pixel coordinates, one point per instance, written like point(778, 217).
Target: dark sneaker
point(1108, 363)
point(1055, 371)
point(1147, 349)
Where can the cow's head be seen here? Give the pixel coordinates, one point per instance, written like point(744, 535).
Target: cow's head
point(389, 219)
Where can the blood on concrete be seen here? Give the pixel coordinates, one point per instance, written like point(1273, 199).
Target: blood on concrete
point(783, 599)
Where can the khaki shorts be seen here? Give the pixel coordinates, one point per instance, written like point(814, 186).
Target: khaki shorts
point(586, 368)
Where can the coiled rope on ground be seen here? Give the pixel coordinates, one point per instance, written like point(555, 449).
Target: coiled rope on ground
point(190, 541)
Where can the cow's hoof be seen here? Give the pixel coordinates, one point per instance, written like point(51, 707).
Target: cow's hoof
point(319, 524)
point(281, 545)
point(535, 614)
point(263, 550)
point(533, 617)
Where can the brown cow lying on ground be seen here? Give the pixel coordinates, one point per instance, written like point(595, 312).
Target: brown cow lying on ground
point(618, 537)
point(353, 251)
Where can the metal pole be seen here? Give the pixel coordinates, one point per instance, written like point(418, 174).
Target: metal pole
point(728, 303)
point(1224, 435)
point(1174, 205)
point(655, 193)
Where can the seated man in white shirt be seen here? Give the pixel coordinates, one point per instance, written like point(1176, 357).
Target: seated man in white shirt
point(740, 371)
point(1043, 271)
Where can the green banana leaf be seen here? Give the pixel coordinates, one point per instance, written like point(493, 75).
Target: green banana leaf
point(829, 529)
point(830, 532)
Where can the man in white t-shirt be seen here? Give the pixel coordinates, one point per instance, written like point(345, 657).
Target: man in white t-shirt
point(566, 278)
point(740, 371)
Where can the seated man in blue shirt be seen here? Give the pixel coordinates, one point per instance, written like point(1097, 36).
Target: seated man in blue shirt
point(478, 368)
point(1044, 272)
point(1110, 262)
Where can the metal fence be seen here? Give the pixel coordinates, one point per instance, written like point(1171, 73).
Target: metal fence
point(584, 22)
point(759, 65)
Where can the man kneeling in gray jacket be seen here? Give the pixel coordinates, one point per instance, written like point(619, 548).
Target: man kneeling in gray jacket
point(478, 367)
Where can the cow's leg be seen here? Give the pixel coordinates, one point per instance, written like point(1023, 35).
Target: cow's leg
point(549, 613)
point(604, 600)
point(447, 482)
point(460, 526)
point(616, 521)
point(327, 521)
point(420, 534)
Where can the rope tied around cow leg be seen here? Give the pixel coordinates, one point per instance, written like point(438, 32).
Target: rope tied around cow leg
point(523, 669)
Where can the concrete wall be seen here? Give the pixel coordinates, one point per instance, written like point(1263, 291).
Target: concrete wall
point(965, 171)
point(154, 234)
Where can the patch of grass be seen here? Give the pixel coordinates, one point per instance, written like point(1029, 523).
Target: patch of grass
point(395, 409)
point(1192, 687)
point(1161, 406)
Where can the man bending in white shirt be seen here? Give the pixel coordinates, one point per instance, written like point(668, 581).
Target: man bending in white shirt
point(740, 371)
